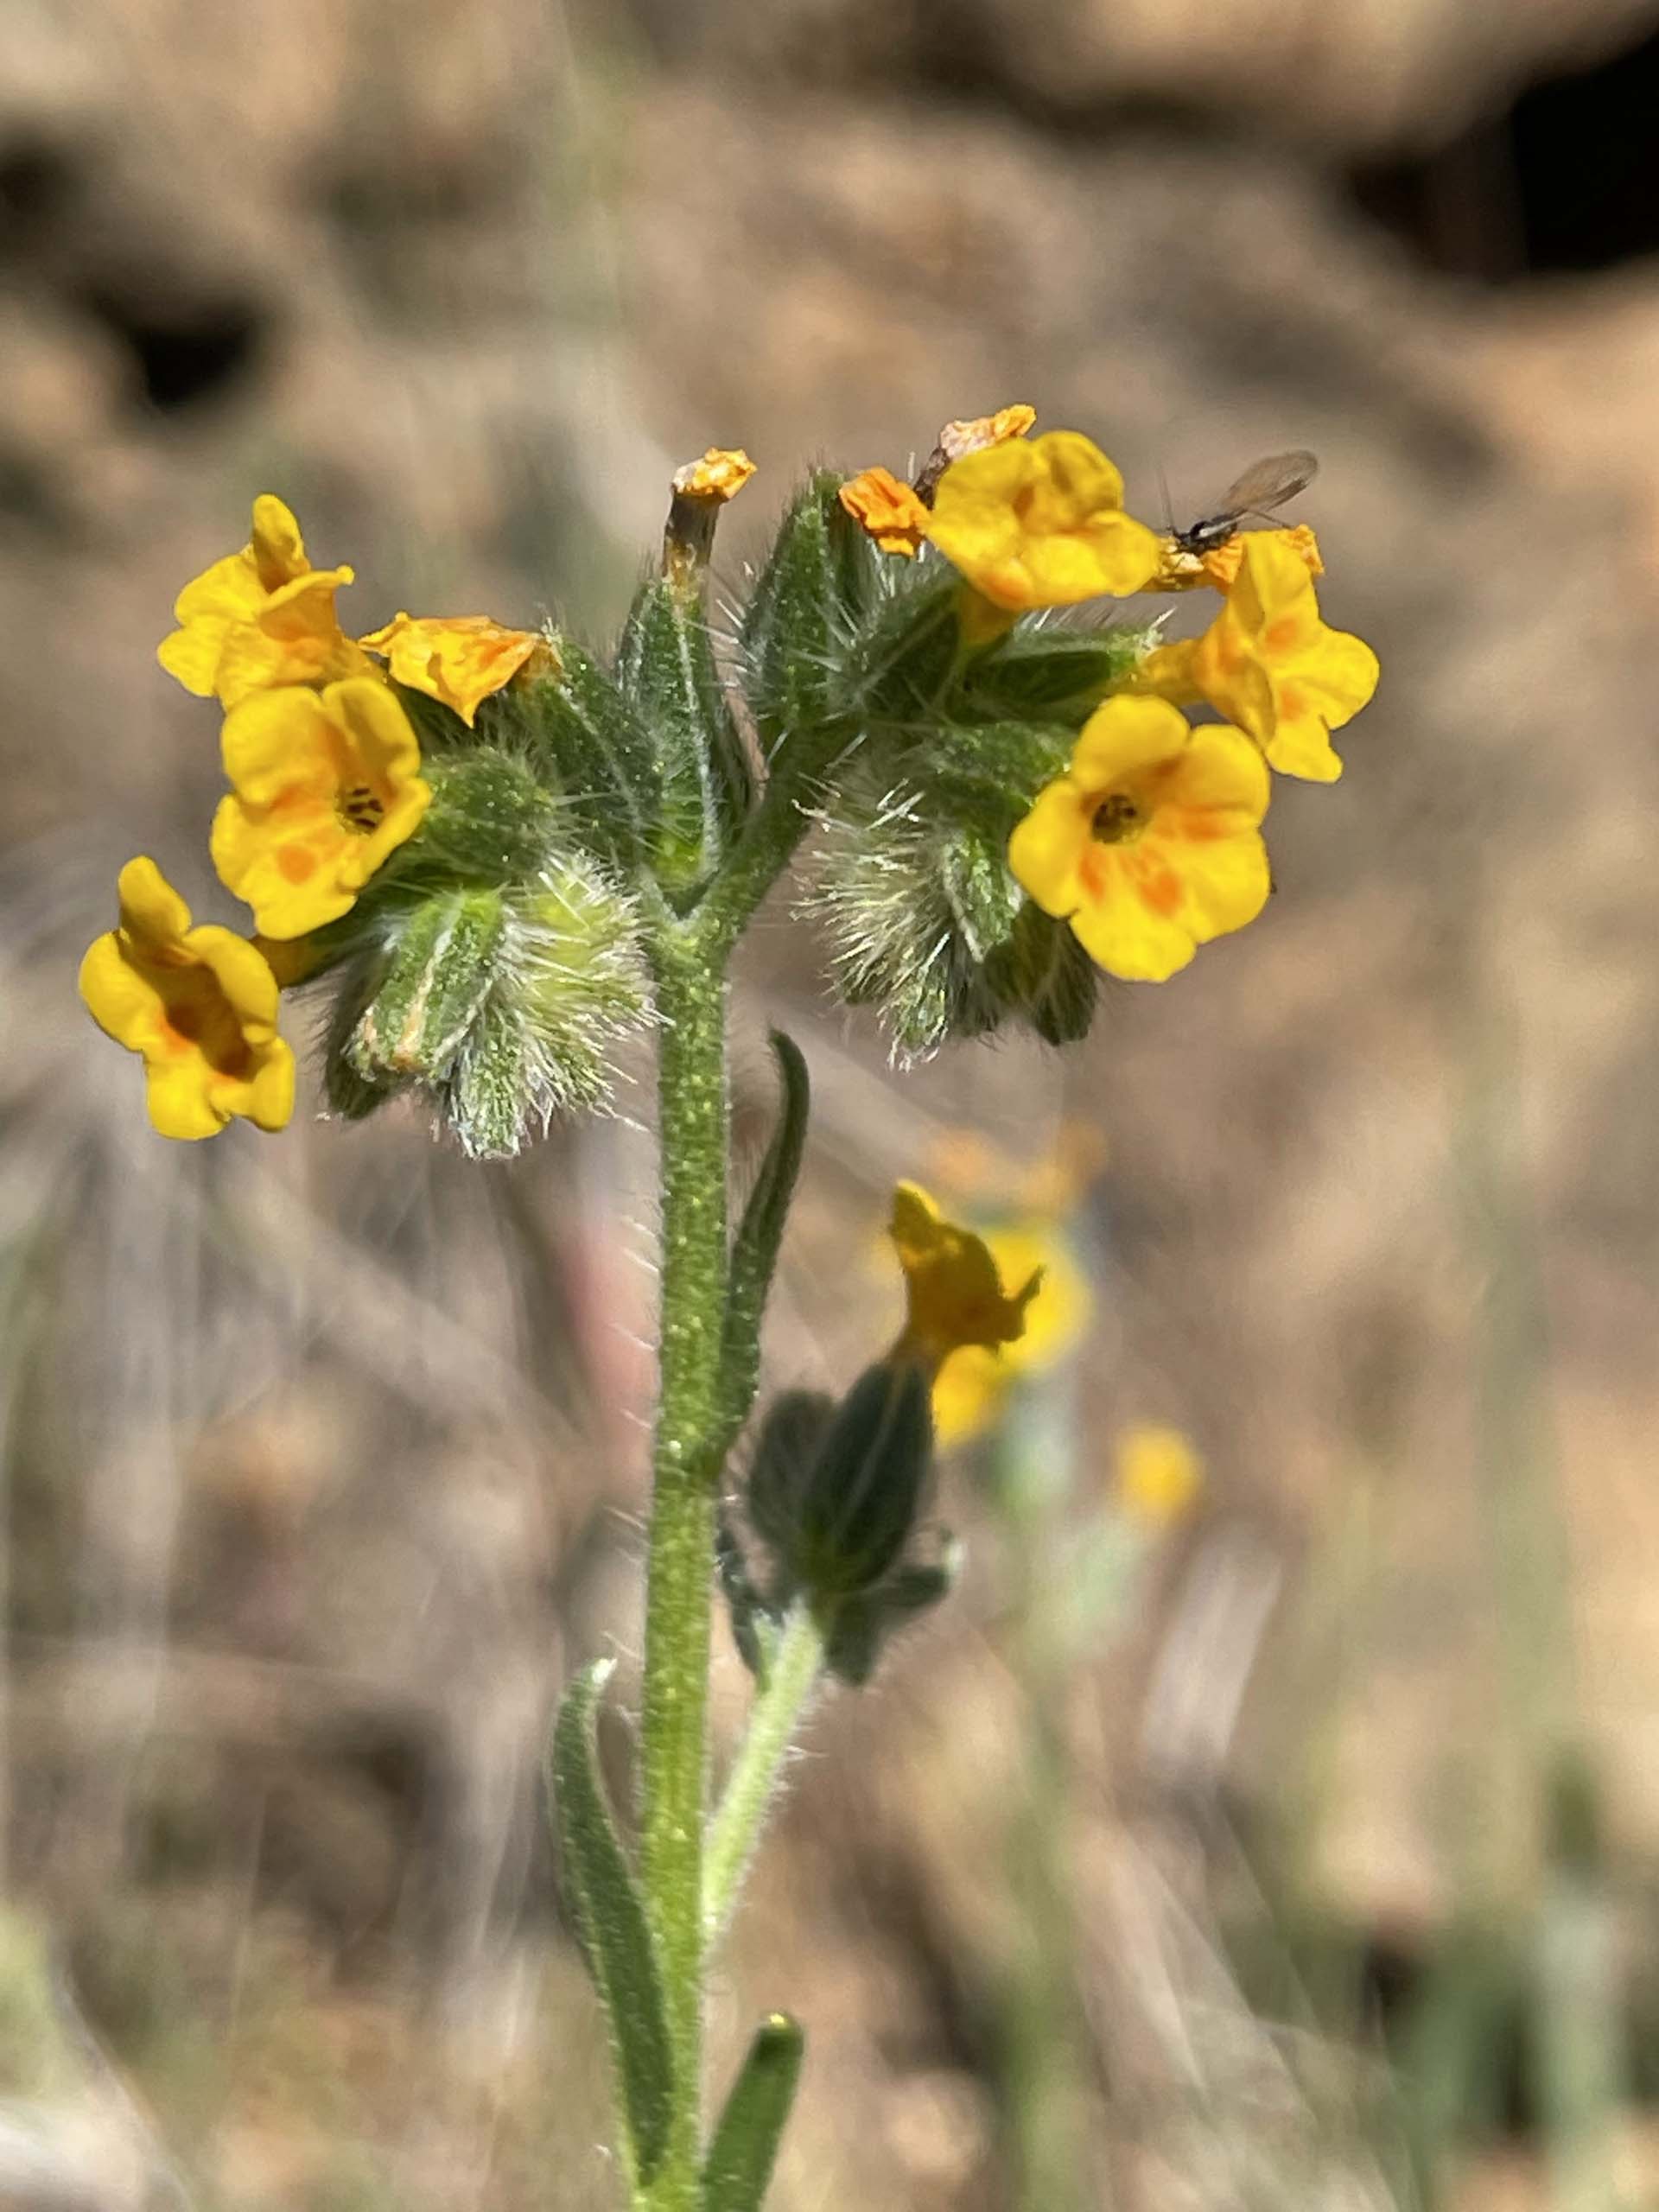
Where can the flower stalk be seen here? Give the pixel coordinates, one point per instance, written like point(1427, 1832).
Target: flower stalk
point(793, 1675)
point(679, 1586)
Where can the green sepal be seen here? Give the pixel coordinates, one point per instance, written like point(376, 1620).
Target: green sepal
point(440, 967)
point(991, 771)
point(569, 982)
point(744, 2150)
point(348, 1096)
point(490, 1100)
point(1043, 972)
point(859, 1505)
point(583, 735)
point(666, 671)
point(984, 898)
point(795, 625)
point(898, 670)
point(791, 1434)
point(1046, 672)
point(610, 1915)
point(759, 1233)
point(862, 1626)
point(915, 899)
point(491, 821)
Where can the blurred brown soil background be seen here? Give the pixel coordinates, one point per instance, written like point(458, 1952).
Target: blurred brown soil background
point(325, 1454)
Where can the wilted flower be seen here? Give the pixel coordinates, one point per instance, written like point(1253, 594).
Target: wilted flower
point(461, 660)
point(892, 514)
point(199, 1004)
point(721, 474)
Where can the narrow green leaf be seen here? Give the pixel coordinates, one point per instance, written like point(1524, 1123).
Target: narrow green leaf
point(620, 1952)
point(742, 2156)
point(754, 1249)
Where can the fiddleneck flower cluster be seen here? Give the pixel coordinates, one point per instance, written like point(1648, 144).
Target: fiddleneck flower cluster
point(1149, 844)
point(465, 824)
point(324, 769)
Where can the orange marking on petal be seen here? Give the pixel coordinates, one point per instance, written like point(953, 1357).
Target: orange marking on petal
point(1159, 888)
point(297, 863)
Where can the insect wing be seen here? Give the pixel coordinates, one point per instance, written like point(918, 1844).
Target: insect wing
point(1268, 484)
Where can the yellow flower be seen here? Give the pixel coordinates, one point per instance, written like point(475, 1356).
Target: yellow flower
point(1148, 845)
point(461, 659)
point(1159, 1474)
point(199, 1004)
point(290, 959)
point(1270, 664)
point(324, 786)
point(261, 617)
point(1222, 563)
point(953, 1288)
point(889, 510)
point(1179, 570)
point(1039, 522)
point(721, 474)
point(970, 1387)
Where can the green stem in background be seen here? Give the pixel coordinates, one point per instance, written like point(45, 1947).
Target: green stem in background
point(1031, 1476)
point(792, 1678)
point(679, 1595)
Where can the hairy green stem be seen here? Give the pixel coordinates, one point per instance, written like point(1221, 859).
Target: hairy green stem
point(770, 836)
point(694, 1140)
point(735, 1830)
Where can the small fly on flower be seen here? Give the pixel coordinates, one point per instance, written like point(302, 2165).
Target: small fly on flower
point(1264, 488)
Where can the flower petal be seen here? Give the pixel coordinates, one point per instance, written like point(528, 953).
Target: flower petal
point(1047, 846)
point(276, 547)
point(1125, 735)
point(1123, 931)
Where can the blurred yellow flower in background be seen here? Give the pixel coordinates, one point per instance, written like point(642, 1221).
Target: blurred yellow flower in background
point(324, 786)
point(1039, 522)
point(461, 660)
point(261, 617)
point(953, 1288)
point(1149, 845)
point(972, 1385)
point(199, 1004)
point(1157, 1474)
point(892, 514)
